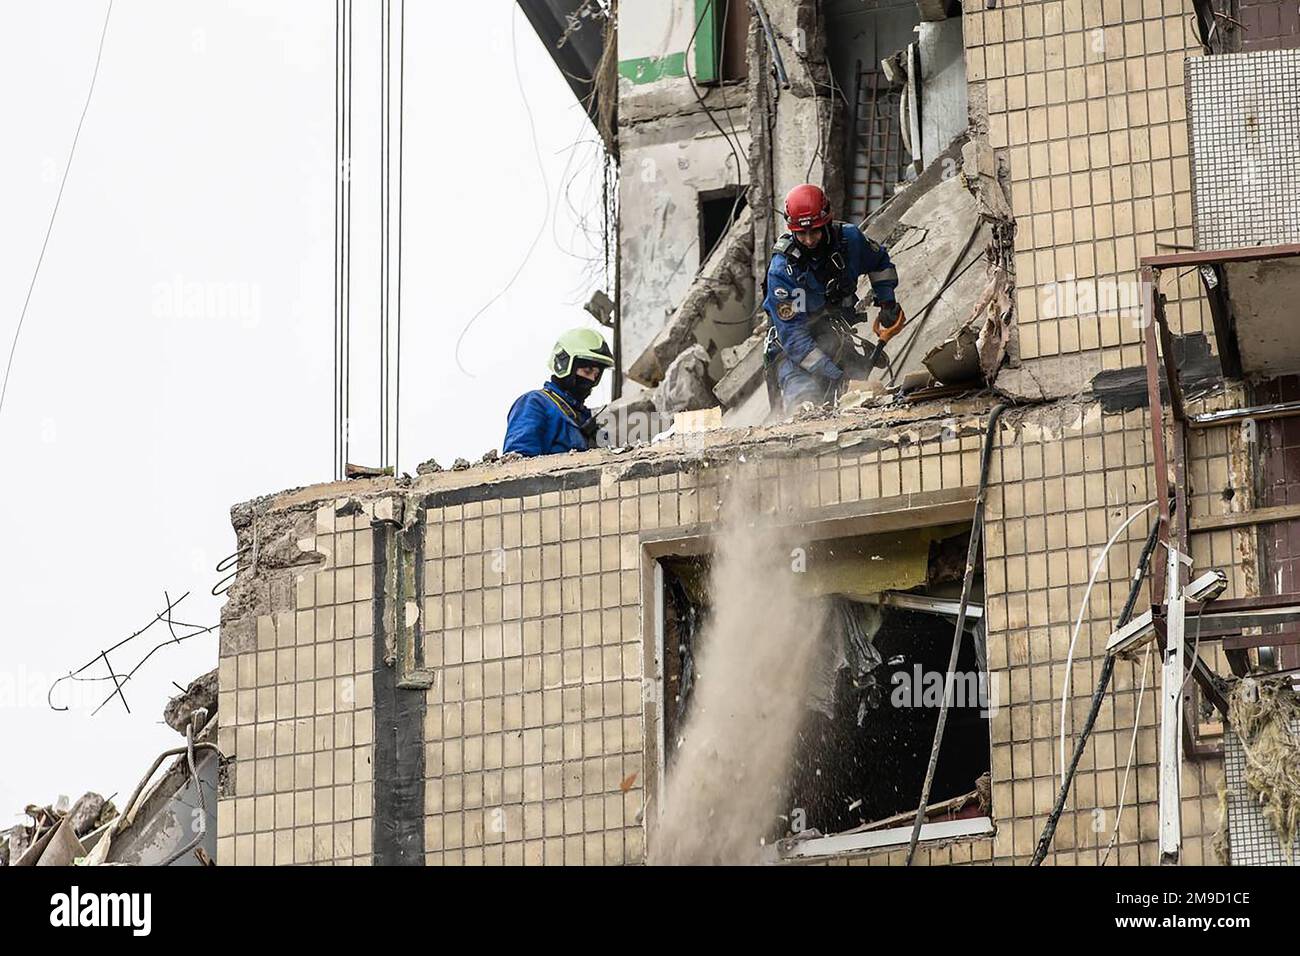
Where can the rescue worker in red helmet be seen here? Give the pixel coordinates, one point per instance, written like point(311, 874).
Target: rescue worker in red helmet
point(811, 290)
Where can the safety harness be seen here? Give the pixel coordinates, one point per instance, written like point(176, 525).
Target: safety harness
point(589, 430)
point(832, 272)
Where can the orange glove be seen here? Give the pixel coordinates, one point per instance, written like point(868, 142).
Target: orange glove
point(889, 321)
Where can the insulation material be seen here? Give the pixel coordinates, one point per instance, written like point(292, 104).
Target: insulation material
point(864, 567)
point(1262, 774)
point(976, 351)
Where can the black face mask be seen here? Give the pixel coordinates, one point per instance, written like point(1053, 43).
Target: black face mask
point(575, 385)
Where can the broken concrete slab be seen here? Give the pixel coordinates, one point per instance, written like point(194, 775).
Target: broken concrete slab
point(34, 850)
point(1049, 378)
point(979, 164)
point(85, 813)
point(716, 309)
point(701, 420)
point(168, 819)
point(956, 359)
point(16, 839)
point(631, 420)
point(733, 355)
point(753, 410)
point(915, 380)
point(201, 694)
point(938, 248)
point(686, 385)
point(63, 848)
point(744, 373)
point(601, 308)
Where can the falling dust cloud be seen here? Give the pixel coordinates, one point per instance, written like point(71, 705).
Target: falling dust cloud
point(727, 779)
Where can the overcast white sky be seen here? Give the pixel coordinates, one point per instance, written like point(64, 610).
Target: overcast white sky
point(134, 420)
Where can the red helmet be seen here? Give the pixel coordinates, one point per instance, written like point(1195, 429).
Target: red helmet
point(806, 207)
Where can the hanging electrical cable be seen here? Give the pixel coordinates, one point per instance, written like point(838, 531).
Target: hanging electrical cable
point(58, 199)
point(1078, 622)
point(546, 190)
point(972, 556)
point(1132, 751)
point(1107, 669)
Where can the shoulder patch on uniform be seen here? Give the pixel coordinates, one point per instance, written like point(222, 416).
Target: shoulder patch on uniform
point(785, 310)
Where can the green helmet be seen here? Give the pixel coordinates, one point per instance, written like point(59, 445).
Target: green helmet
point(587, 344)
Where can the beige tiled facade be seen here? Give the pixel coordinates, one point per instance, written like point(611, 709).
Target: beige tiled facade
point(1086, 102)
point(538, 740)
point(296, 708)
point(535, 726)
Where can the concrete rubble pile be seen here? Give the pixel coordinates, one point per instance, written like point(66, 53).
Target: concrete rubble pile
point(58, 834)
point(167, 821)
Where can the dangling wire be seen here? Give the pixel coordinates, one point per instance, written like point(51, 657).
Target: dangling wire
point(49, 228)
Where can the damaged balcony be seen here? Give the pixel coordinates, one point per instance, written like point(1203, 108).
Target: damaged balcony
point(1251, 292)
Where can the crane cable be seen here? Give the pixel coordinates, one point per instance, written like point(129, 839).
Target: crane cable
point(385, 11)
point(342, 234)
point(401, 198)
point(390, 318)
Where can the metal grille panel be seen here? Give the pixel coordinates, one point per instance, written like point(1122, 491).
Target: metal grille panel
point(1244, 112)
point(1253, 840)
point(876, 149)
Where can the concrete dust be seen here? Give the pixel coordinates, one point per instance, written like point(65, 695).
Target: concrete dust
point(727, 779)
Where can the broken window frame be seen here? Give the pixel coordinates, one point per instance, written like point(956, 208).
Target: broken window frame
point(711, 58)
point(732, 195)
point(930, 509)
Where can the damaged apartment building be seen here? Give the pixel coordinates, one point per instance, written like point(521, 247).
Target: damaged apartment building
point(1066, 498)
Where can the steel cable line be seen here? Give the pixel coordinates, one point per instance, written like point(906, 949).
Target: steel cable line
point(22, 316)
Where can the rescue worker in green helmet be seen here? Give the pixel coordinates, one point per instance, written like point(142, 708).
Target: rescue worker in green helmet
point(555, 418)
